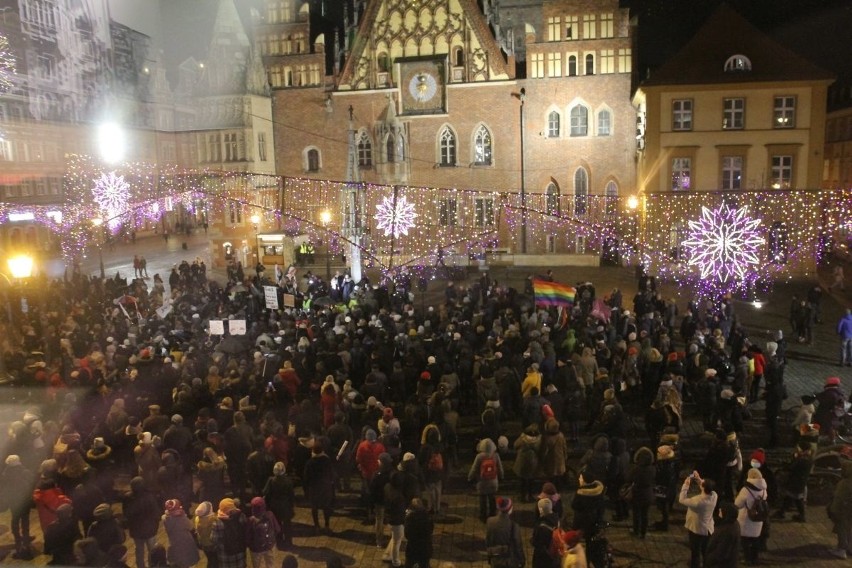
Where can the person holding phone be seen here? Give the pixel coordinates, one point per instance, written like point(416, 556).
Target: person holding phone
point(699, 515)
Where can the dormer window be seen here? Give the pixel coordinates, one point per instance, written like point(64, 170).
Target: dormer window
point(737, 64)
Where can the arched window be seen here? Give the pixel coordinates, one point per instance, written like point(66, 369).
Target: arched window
point(572, 65)
point(458, 57)
point(737, 64)
point(579, 121)
point(611, 199)
point(553, 124)
point(365, 150)
point(551, 199)
point(581, 191)
point(384, 62)
point(313, 160)
point(482, 147)
point(590, 64)
point(604, 123)
point(447, 145)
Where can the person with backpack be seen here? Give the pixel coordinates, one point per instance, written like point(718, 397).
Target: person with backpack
point(431, 461)
point(753, 511)
point(699, 515)
point(542, 535)
point(487, 472)
point(229, 535)
point(262, 534)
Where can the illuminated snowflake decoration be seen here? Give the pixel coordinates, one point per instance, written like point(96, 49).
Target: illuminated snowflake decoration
point(110, 193)
point(724, 243)
point(7, 65)
point(395, 218)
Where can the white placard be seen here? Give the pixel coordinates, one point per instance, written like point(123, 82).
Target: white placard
point(237, 327)
point(270, 293)
point(164, 310)
point(217, 327)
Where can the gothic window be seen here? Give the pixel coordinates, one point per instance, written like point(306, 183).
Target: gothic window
point(447, 145)
point(572, 65)
point(611, 199)
point(551, 199)
point(390, 148)
point(579, 121)
point(604, 123)
point(365, 150)
point(590, 64)
point(313, 160)
point(553, 124)
point(581, 191)
point(482, 147)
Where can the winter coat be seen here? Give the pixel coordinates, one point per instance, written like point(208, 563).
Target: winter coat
point(526, 456)
point(541, 537)
point(553, 451)
point(17, 484)
point(142, 511)
point(723, 549)
point(279, 493)
point(588, 506)
point(751, 491)
point(182, 550)
point(699, 509)
point(840, 507)
point(367, 458)
point(47, 498)
point(418, 527)
point(319, 480)
point(643, 476)
point(486, 486)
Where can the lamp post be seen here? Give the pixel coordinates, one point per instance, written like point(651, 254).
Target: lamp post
point(325, 217)
point(523, 97)
point(21, 268)
point(98, 224)
point(255, 221)
point(632, 205)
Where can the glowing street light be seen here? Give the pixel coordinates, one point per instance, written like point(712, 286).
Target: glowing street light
point(111, 143)
point(632, 202)
point(21, 266)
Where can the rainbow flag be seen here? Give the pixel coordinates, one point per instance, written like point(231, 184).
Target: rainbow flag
point(553, 293)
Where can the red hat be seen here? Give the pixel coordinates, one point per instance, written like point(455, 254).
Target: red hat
point(832, 382)
point(758, 455)
point(425, 375)
point(387, 414)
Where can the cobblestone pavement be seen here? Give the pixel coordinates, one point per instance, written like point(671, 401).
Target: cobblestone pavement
point(459, 536)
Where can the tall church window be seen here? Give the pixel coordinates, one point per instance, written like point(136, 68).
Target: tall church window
point(447, 146)
point(365, 150)
point(581, 191)
point(482, 147)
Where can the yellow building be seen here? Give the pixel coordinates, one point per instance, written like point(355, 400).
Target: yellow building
point(734, 118)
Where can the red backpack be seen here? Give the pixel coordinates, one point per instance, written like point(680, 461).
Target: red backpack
point(488, 469)
point(436, 462)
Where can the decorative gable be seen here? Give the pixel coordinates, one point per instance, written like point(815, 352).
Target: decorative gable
point(392, 30)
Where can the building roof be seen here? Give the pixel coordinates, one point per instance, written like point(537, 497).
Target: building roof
point(726, 33)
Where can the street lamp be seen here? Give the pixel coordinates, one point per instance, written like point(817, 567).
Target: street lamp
point(98, 224)
point(325, 218)
point(111, 143)
point(523, 98)
point(20, 267)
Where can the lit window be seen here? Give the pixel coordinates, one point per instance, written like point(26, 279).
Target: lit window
point(607, 27)
point(782, 172)
point(607, 62)
point(447, 211)
point(681, 173)
point(554, 64)
point(554, 27)
point(785, 112)
point(589, 26)
point(483, 209)
point(737, 64)
point(482, 147)
point(572, 27)
point(537, 65)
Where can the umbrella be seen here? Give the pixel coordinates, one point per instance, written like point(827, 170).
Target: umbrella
point(233, 345)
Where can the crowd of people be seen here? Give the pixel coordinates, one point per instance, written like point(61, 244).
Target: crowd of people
point(214, 436)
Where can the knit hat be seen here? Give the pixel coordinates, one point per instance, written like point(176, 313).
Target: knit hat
point(832, 382)
point(174, 507)
point(758, 455)
point(204, 509)
point(279, 468)
point(431, 360)
point(258, 506)
point(13, 460)
point(665, 452)
point(504, 505)
point(387, 414)
point(370, 435)
point(771, 347)
point(408, 456)
point(227, 505)
point(372, 401)
point(545, 506)
point(609, 394)
point(754, 474)
point(425, 375)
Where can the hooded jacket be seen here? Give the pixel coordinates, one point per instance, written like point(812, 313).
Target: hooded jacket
point(642, 474)
point(487, 449)
point(588, 506)
point(751, 491)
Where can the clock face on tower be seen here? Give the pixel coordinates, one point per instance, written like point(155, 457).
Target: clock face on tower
point(422, 86)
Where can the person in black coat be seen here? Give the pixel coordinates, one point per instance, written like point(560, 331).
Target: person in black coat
point(106, 530)
point(279, 493)
point(319, 481)
point(543, 534)
point(60, 536)
point(724, 545)
point(643, 477)
point(418, 529)
point(774, 375)
point(588, 506)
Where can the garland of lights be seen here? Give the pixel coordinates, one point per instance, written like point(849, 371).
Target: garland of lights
point(7, 65)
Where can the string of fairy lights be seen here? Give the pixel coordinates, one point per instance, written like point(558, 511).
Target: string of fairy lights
point(765, 235)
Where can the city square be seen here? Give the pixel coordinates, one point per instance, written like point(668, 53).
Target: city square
point(424, 283)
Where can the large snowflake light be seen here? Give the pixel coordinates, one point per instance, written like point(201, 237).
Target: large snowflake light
point(110, 193)
point(724, 243)
point(395, 218)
